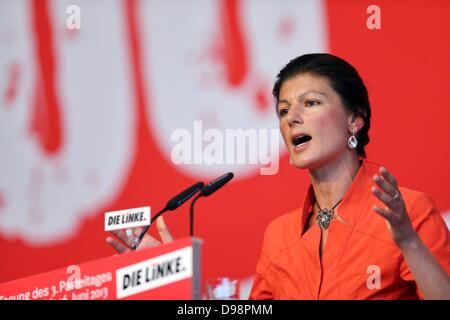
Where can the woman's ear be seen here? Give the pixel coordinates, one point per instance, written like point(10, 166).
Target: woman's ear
point(356, 123)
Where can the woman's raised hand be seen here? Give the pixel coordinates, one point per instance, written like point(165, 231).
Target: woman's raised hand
point(394, 212)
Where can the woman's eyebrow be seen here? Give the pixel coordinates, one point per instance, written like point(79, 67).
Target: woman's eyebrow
point(282, 101)
point(300, 97)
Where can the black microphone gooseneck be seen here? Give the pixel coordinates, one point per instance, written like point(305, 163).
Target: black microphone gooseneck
point(191, 215)
point(171, 205)
point(206, 191)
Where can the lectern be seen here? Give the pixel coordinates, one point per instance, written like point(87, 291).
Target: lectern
point(169, 271)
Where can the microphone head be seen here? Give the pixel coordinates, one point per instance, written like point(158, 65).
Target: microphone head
point(216, 184)
point(182, 197)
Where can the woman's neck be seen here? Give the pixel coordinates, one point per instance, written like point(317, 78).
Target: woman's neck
point(331, 182)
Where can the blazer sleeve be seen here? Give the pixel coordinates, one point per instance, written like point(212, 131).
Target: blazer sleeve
point(261, 289)
point(433, 231)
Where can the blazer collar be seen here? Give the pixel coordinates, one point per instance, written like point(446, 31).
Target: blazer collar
point(352, 204)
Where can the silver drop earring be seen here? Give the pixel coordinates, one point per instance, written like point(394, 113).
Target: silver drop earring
point(352, 141)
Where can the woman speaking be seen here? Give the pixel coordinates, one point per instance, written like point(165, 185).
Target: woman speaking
point(357, 234)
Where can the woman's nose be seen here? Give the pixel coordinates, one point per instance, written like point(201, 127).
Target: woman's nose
point(294, 116)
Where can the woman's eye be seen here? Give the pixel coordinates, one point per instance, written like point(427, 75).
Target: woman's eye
point(311, 103)
point(283, 112)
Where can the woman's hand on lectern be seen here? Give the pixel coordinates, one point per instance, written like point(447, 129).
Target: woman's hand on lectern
point(126, 242)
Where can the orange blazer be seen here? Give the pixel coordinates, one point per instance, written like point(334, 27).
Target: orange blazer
point(360, 259)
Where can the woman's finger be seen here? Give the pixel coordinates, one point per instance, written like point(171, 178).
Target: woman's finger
point(115, 232)
point(137, 231)
point(163, 231)
point(119, 247)
point(122, 235)
point(383, 212)
point(385, 198)
point(148, 241)
point(384, 185)
point(389, 177)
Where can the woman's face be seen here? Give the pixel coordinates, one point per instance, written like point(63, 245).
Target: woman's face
point(313, 121)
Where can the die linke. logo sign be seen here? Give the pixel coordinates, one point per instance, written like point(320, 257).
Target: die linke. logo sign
point(129, 218)
point(155, 272)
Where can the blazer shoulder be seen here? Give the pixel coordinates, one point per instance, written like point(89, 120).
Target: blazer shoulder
point(417, 203)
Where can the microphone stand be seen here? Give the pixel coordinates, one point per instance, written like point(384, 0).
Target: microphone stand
point(206, 191)
point(171, 205)
point(191, 214)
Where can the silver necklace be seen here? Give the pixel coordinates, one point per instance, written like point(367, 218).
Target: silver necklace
point(324, 216)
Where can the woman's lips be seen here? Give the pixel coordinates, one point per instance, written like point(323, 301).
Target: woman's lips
point(301, 146)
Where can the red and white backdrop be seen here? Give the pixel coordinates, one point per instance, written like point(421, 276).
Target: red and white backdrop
point(86, 115)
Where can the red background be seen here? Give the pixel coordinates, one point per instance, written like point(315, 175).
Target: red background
point(406, 69)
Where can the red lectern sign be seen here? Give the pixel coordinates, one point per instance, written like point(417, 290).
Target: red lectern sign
point(169, 271)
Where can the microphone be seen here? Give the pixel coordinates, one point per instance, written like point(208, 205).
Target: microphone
point(182, 197)
point(171, 205)
point(216, 184)
point(206, 191)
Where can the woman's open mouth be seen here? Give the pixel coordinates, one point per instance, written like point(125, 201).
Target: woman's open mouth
point(300, 141)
